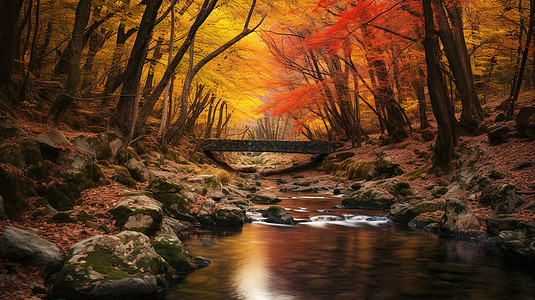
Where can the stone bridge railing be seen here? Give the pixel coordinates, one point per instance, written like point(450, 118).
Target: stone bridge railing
point(305, 147)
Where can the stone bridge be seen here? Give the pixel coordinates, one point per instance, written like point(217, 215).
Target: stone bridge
point(306, 147)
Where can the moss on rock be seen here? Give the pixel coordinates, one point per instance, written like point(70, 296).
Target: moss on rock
point(160, 185)
point(110, 267)
point(122, 176)
point(138, 213)
point(172, 250)
point(369, 198)
point(14, 189)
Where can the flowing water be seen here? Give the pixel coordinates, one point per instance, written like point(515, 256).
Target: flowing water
point(344, 254)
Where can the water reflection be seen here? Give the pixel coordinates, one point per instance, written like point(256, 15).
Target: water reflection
point(340, 262)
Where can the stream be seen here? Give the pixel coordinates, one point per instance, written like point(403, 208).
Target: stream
point(344, 254)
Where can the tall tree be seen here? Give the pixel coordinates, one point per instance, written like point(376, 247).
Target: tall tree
point(447, 133)
point(65, 99)
point(125, 113)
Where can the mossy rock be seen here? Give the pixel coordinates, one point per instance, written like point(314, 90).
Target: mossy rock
point(36, 168)
point(369, 198)
point(228, 216)
point(14, 189)
point(501, 197)
point(279, 215)
point(102, 144)
point(160, 185)
point(84, 217)
point(61, 196)
point(61, 217)
point(265, 199)
point(212, 182)
point(122, 176)
point(121, 266)
point(172, 250)
point(174, 204)
point(398, 188)
point(138, 213)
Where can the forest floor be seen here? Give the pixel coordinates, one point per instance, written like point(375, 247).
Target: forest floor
point(29, 282)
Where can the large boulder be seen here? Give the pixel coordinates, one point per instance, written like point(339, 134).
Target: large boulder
point(404, 212)
point(138, 170)
point(121, 266)
point(501, 223)
point(171, 249)
point(369, 198)
point(22, 246)
point(525, 120)
point(138, 213)
point(498, 134)
point(278, 215)
point(398, 188)
point(222, 215)
point(265, 199)
point(517, 245)
point(106, 145)
point(501, 197)
point(123, 176)
point(174, 202)
point(458, 218)
point(384, 168)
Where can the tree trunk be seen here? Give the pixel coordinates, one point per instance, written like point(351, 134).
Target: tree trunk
point(157, 54)
point(446, 138)
point(457, 55)
point(65, 57)
point(125, 113)
point(516, 91)
point(168, 92)
point(37, 65)
point(207, 8)
point(32, 51)
point(419, 90)
point(65, 99)
point(9, 20)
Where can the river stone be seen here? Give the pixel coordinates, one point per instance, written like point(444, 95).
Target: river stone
point(501, 197)
point(369, 198)
point(404, 212)
point(121, 266)
point(517, 245)
point(458, 218)
point(224, 215)
point(265, 199)
point(278, 215)
point(22, 246)
point(138, 213)
point(500, 223)
point(172, 250)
